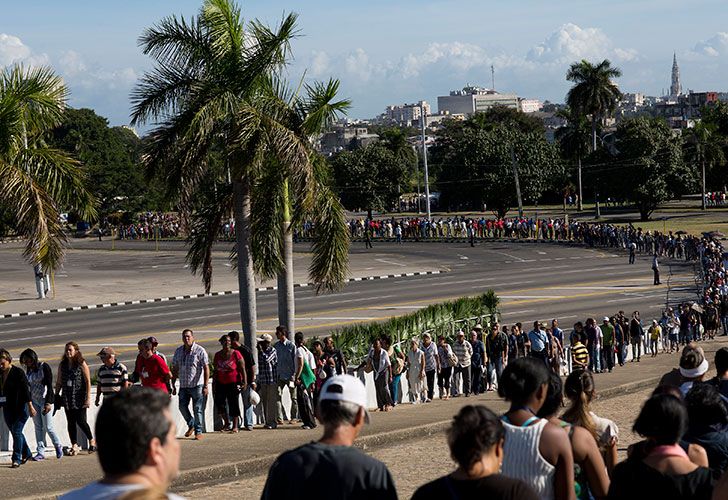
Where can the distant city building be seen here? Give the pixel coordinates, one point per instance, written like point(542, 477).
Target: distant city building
point(675, 86)
point(406, 114)
point(342, 137)
point(472, 99)
point(530, 105)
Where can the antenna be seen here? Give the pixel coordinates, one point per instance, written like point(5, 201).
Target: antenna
point(492, 77)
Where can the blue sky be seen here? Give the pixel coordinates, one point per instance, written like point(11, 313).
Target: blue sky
point(389, 52)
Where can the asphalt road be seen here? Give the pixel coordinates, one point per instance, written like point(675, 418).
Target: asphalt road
point(535, 281)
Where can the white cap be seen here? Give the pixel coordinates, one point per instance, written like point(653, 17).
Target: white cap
point(606, 318)
point(265, 338)
point(345, 388)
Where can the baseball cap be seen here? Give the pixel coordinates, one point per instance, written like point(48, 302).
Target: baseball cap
point(345, 388)
point(106, 350)
point(265, 338)
point(606, 318)
point(478, 327)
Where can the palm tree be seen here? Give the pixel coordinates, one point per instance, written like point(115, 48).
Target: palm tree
point(708, 150)
point(38, 182)
point(211, 90)
point(593, 93)
point(573, 138)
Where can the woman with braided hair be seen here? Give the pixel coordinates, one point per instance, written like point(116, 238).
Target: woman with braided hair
point(580, 390)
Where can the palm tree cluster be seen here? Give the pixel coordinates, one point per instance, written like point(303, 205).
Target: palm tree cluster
point(37, 182)
point(217, 86)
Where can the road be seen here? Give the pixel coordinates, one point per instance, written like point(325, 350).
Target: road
point(534, 281)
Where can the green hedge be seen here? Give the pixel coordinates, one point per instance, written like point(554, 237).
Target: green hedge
point(437, 319)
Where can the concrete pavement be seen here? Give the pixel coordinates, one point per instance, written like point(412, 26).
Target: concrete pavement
point(226, 457)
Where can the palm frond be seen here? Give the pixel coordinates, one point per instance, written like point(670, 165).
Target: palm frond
point(267, 214)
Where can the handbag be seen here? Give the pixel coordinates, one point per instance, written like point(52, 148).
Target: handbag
point(307, 376)
point(451, 357)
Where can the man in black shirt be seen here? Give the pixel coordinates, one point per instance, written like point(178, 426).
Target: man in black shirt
point(332, 352)
point(331, 467)
point(249, 362)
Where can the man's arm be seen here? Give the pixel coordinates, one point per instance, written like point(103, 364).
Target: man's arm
point(206, 378)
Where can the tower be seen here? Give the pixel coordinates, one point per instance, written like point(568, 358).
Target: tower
point(675, 87)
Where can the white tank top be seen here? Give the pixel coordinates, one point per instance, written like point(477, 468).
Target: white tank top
point(522, 459)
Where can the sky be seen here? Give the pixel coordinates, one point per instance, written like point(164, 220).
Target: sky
point(392, 51)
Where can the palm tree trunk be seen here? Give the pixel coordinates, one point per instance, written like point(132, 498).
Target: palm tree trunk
point(702, 194)
point(246, 277)
point(580, 205)
point(286, 297)
point(594, 133)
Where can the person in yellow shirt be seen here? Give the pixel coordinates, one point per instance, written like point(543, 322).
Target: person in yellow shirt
point(655, 332)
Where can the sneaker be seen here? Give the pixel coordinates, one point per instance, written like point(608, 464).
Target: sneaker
point(248, 428)
point(305, 427)
point(38, 458)
point(190, 431)
point(15, 465)
point(59, 451)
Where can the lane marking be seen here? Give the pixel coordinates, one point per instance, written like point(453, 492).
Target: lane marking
point(386, 261)
point(144, 309)
point(154, 315)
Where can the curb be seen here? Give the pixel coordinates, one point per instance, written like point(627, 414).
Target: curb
point(200, 295)
point(204, 476)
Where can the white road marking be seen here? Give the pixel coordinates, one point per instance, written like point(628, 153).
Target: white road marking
point(47, 336)
point(177, 312)
point(24, 329)
point(386, 261)
point(532, 296)
point(541, 253)
point(144, 309)
point(204, 317)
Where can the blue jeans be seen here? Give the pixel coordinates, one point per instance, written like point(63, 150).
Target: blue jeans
point(43, 425)
point(20, 445)
point(195, 394)
point(394, 388)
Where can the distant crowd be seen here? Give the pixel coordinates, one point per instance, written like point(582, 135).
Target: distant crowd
point(150, 225)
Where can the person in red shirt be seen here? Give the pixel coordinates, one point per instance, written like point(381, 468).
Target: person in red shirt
point(153, 371)
point(229, 378)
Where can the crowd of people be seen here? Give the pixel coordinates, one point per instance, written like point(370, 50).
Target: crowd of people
point(150, 225)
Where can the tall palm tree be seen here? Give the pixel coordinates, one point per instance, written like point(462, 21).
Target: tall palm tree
point(573, 138)
point(708, 152)
point(594, 93)
point(211, 90)
point(37, 182)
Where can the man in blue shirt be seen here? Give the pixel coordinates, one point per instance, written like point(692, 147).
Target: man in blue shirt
point(286, 353)
point(539, 342)
point(556, 331)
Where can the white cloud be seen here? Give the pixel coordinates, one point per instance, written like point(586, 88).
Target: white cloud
point(714, 46)
point(320, 63)
point(13, 50)
point(571, 43)
point(458, 55)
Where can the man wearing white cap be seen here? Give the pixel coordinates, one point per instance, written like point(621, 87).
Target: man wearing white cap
point(347, 472)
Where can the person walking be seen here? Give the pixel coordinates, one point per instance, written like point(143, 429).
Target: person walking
point(40, 380)
point(464, 352)
point(619, 339)
point(655, 332)
point(632, 251)
point(476, 441)
point(286, 354)
point(478, 361)
point(379, 364)
point(535, 451)
point(539, 343)
point(138, 448)
point(228, 380)
point(656, 269)
point(305, 380)
point(447, 361)
point(332, 467)
point(415, 371)
point(268, 380)
point(17, 406)
point(397, 360)
point(496, 345)
point(152, 370)
point(73, 386)
point(112, 377)
point(608, 343)
point(249, 362)
point(432, 365)
point(635, 334)
point(190, 364)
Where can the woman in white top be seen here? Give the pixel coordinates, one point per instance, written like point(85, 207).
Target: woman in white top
point(415, 371)
point(535, 451)
point(381, 368)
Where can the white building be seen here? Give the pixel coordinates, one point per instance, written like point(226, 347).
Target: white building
point(530, 105)
point(406, 114)
point(471, 100)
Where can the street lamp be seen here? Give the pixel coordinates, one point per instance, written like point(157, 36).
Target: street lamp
point(424, 158)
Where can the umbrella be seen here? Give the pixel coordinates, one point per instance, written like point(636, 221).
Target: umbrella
point(681, 232)
point(716, 234)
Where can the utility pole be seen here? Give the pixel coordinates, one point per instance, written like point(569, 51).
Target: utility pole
point(417, 175)
point(424, 157)
point(580, 206)
point(514, 164)
point(702, 194)
point(492, 77)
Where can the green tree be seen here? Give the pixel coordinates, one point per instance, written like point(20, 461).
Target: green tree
point(573, 139)
point(38, 182)
point(704, 148)
point(211, 88)
point(594, 94)
point(369, 178)
point(476, 167)
point(646, 165)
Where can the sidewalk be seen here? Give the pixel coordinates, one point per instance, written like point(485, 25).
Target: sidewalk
point(225, 456)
